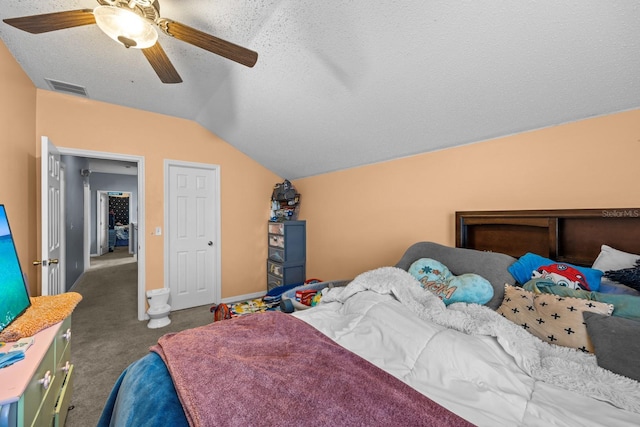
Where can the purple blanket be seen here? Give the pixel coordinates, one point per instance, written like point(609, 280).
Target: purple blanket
point(274, 369)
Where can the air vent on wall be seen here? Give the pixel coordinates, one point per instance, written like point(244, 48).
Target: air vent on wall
point(59, 86)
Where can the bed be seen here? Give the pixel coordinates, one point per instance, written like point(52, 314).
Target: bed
point(394, 347)
point(121, 235)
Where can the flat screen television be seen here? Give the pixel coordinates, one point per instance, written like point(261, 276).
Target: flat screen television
point(14, 294)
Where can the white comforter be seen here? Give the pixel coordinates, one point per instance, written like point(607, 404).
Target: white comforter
point(470, 359)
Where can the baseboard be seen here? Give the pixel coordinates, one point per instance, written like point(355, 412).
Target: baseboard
point(72, 287)
point(240, 298)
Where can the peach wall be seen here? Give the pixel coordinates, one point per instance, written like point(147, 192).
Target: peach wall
point(17, 165)
point(366, 217)
point(245, 186)
point(357, 219)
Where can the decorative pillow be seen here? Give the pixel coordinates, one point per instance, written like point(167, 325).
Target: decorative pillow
point(554, 319)
point(616, 342)
point(614, 259)
point(531, 266)
point(626, 276)
point(610, 287)
point(627, 306)
point(436, 277)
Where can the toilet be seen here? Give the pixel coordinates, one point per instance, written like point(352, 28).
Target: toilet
point(159, 308)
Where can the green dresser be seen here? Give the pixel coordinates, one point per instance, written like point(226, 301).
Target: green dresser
point(37, 390)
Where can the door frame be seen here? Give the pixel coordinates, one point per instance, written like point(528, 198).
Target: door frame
point(139, 160)
point(86, 189)
point(217, 289)
point(99, 212)
point(63, 228)
point(102, 221)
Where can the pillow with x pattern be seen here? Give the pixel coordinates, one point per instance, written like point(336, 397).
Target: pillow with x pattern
point(552, 318)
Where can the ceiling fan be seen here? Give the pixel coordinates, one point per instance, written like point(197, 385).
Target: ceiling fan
point(133, 23)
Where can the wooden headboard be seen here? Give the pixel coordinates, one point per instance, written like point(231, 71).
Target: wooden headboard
point(565, 235)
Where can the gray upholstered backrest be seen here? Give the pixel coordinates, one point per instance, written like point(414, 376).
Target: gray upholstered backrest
point(490, 265)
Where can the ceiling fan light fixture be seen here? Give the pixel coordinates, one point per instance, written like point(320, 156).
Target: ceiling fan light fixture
point(144, 3)
point(126, 27)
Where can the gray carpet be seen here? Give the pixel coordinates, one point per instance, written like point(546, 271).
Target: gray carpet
point(106, 335)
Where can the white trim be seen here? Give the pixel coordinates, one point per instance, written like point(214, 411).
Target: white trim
point(240, 298)
point(87, 226)
point(141, 213)
point(100, 243)
point(99, 213)
point(63, 229)
point(217, 291)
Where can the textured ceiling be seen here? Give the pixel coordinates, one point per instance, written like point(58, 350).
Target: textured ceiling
point(342, 83)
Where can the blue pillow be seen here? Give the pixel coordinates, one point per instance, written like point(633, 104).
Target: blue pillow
point(611, 287)
point(438, 279)
point(532, 266)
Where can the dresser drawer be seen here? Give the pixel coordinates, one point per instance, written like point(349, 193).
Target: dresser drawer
point(63, 365)
point(40, 394)
point(276, 228)
point(276, 254)
point(62, 407)
point(273, 282)
point(63, 337)
point(275, 269)
point(276, 241)
point(284, 274)
point(44, 416)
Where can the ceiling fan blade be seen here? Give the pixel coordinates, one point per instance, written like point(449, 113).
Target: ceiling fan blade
point(211, 43)
point(161, 64)
point(37, 24)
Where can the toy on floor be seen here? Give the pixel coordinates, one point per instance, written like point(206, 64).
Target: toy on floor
point(220, 312)
point(252, 306)
point(271, 301)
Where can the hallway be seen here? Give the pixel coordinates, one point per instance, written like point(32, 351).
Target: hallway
point(119, 256)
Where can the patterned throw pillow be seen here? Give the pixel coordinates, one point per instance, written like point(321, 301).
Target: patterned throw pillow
point(531, 266)
point(552, 318)
point(438, 279)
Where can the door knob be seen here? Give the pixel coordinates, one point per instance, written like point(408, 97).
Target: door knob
point(45, 262)
point(210, 243)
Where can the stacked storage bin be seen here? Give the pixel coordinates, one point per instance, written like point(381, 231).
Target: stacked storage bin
point(286, 264)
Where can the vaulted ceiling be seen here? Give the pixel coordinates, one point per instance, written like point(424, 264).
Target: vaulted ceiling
point(339, 84)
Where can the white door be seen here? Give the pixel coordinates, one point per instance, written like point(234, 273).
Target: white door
point(103, 222)
point(192, 234)
point(50, 218)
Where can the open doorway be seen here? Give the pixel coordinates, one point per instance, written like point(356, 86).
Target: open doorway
point(115, 173)
point(116, 223)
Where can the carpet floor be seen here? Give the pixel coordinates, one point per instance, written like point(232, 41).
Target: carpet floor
point(107, 336)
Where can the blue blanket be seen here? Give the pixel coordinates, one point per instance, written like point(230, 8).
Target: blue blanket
point(144, 396)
